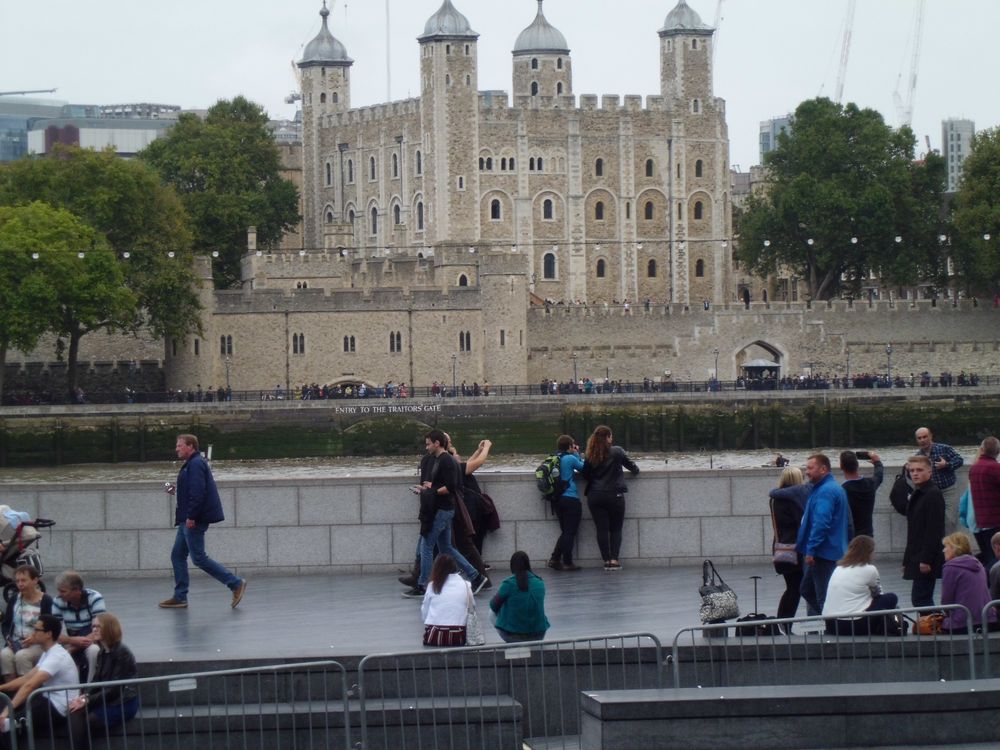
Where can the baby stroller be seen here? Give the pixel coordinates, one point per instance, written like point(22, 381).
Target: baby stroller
point(19, 537)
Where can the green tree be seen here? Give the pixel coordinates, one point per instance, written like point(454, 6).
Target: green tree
point(58, 291)
point(227, 171)
point(843, 186)
point(977, 214)
point(142, 220)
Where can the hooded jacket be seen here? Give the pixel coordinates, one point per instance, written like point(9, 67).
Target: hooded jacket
point(964, 582)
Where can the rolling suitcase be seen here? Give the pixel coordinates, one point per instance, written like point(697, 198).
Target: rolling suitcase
point(750, 627)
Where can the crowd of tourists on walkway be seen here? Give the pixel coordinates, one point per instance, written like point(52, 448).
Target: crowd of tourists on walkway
point(824, 539)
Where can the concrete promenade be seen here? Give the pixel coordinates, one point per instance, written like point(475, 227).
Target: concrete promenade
point(313, 616)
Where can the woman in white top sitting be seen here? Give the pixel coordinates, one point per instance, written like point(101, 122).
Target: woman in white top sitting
point(855, 588)
point(445, 608)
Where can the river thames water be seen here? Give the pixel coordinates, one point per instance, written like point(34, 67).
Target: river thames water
point(332, 468)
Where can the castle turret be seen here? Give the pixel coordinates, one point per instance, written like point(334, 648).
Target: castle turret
point(326, 88)
point(686, 57)
point(542, 64)
point(449, 82)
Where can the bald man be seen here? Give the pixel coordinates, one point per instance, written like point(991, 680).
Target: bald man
point(944, 461)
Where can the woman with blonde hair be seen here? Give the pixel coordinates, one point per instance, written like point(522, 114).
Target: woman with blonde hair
point(788, 503)
point(963, 581)
point(605, 492)
point(855, 587)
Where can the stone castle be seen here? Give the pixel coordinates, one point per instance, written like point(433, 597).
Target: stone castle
point(436, 228)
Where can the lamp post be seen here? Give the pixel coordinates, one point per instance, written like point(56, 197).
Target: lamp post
point(848, 368)
point(454, 363)
point(888, 355)
point(716, 353)
point(229, 364)
point(574, 358)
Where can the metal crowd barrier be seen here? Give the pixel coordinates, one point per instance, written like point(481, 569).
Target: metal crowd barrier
point(751, 656)
point(12, 734)
point(987, 670)
point(301, 706)
point(495, 697)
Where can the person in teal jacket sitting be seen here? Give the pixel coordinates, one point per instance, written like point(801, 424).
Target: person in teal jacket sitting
point(519, 603)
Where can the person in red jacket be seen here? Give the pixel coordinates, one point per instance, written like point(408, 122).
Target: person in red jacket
point(984, 482)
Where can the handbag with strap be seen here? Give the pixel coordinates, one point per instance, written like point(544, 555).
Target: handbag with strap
point(473, 628)
point(718, 601)
point(782, 553)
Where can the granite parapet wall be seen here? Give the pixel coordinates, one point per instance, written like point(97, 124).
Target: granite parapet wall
point(353, 525)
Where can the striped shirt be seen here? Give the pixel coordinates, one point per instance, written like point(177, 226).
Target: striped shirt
point(79, 621)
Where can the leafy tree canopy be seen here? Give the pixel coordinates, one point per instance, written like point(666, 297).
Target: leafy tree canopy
point(226, 168)
point(58, 290)
point(845, 180)
point(127, 204)
point(977, 214)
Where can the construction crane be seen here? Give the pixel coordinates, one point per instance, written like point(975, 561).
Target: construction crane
point(845, 49)
point(32, 91)
point(904, 107)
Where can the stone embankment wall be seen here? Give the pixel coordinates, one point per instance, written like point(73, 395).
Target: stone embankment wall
point(369, 525)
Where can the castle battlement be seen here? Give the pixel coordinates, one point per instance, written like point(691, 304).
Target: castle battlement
point(373, 113)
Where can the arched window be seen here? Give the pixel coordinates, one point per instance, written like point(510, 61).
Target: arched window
point(395, 165)
point(395, 342)
point(696, 106)
point(503, 164)
point(651, 269)
point(680, 210)
point(628, 209)
point(329, 174)
point(511, 164)
point(699, 268)
point(351, 216)
point(334, 98)
point(420, 215)
point(482, 164)
point(699, 210)
point(489, 163)
point(226, 346)
point(348, 344)
point(534, 63)
point(329, 216)
point(599, 211)
point(468, 80)
point(322, 98)
point(559, 64)
point(447, 80)
point(559, 88)
point(468, 341)
point(374, 226)
point(649, 167)
point(648, 208)
point(371, 168)
point(694, 44)
point(534, 88)
point(599, 168)
point(463, 280)
point(495, 209)
point(399, 341)
point(547, 208)
point(396, 215)
point(466, 50)
point(531, 164)
point(197, 348)
point(540, 167)
point(461, 341)
point(420, 164)
point(600, 268)
point(549, 266)
point(350, 170)
point(698, 168)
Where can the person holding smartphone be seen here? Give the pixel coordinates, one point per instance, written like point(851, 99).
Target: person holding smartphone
point(861, 490)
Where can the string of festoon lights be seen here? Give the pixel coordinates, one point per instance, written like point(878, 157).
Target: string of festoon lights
point(898, 239)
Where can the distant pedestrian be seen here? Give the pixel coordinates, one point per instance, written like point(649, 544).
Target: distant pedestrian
point(861, 490)
point(568, 506)
point(198, 506)
point(984, 483)
point(788, 503)
point(944, 461)
point(924, 511)
point(822, 538)
point(605, 492)
point(519, 603)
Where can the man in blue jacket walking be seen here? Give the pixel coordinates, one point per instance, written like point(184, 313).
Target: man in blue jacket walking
point(822, 536)
point(198, 505)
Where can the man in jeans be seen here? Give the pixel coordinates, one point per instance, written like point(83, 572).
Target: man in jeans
point(198, 505)
point(822, 536)
point(437, 509)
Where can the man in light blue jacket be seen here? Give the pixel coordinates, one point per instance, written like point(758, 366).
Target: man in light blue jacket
point(822, 536)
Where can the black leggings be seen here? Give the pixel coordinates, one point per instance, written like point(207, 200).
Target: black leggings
point(569, 510)
point(788, 605)
point(609, 517)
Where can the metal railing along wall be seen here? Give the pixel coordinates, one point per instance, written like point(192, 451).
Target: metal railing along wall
point(709, 656)
point(302, 706)
point(494, 697)
point(988, 670)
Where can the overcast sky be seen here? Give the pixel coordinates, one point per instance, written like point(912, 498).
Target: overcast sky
point(771, 54)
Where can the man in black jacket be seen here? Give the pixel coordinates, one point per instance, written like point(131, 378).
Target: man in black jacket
point(923, 558)
point(861, 490)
